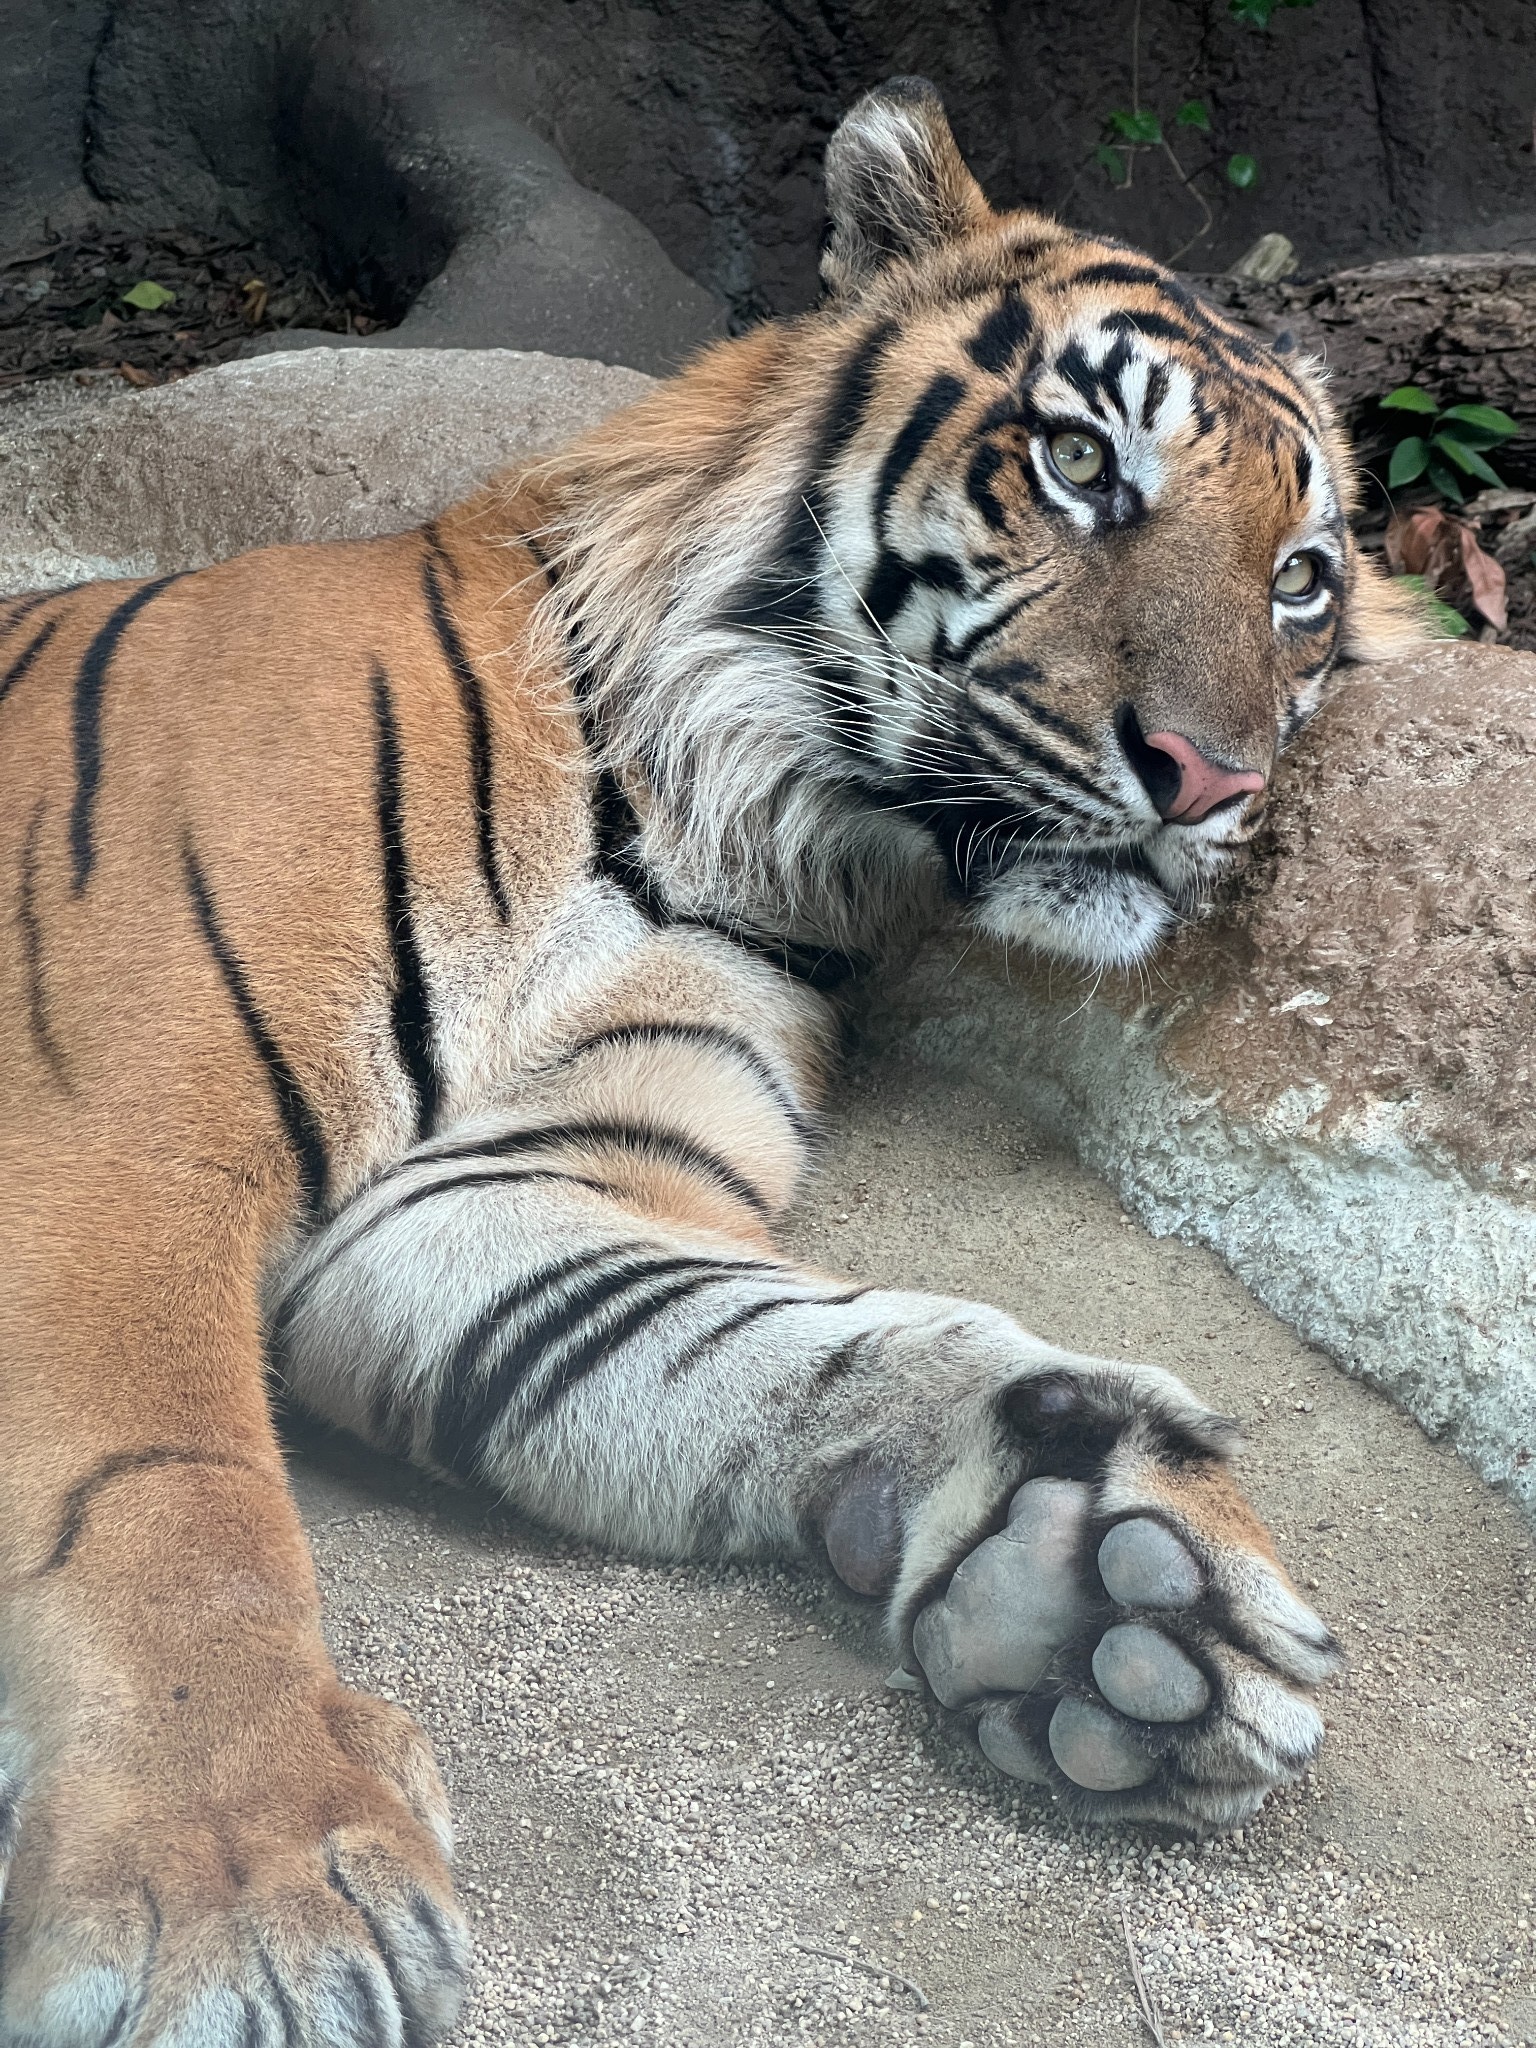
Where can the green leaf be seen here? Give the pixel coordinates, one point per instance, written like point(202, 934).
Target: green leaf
point(1113, 161)
point(1445, 481)
point(1407, 398)
point(1486, 418)
point(1446, 622)
point(1472, 437)
point(1257, 12)
point(1193, 115)
point(1242, 171)
point(1467, 459)
point(1410, 459)
point(1140, 125)
point(148, 296)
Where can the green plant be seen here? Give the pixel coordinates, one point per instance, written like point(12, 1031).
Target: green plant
point(1444, 621)
point(1126, 131)
point(147, 296)
point(1257, 12)
point(1454, 439)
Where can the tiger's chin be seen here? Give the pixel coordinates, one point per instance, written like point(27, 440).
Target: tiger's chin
point(1087, 911)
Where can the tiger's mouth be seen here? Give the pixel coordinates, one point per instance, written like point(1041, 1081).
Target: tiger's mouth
point(1099, 906)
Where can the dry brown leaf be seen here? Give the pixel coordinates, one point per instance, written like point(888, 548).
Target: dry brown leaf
point(133, 375)
point(1446, 552)
point(1485, 578)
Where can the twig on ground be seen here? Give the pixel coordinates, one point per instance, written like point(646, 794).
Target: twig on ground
point(836, 1955)
point(1151, 2018)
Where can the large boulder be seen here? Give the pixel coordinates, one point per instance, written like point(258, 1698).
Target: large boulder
point(327, 444)
point(1332, 1080)
point(1329, 1080)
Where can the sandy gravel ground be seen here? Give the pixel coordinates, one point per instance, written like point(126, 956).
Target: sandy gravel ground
point(674, 1785)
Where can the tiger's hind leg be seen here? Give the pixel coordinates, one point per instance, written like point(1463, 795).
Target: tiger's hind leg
point(534, 1308)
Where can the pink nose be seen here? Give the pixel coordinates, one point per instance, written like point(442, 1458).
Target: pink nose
point(1201, 784)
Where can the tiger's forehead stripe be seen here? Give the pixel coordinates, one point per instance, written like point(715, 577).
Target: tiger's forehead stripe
point(1184, 319)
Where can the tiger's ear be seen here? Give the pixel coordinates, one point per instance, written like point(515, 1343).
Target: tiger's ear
point(897, 184)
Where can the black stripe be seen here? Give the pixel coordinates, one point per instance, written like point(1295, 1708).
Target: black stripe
point(32, 947)
point(410, 1004)
point(1073, 365)
point(699, 1347)
point(932, 409)
point(25, 659)
point(980, 635)
point(979, 478)
point(1114, 271)
point(90, 685)
point(668, 1145)
point(1301, 456)
point(1158, 381)
point(298, 1119)
point(464, 1409)
point(1032, 749)
point(294, 2032)
point(1154, 327)
point(77, 1501)
point(1005, 677)
point(996, 343)
point(18, 609)
point(412, 2031)
point(615, 822)
point(1112, 370)
point(481, 766)
point(783, 591)
point(822, 968)
point(605, 1343)
point(1210, 332)
point(345, 1243)
point(893, 580)
point(713, 1035)
point(836, 1366)
point(473, 1398)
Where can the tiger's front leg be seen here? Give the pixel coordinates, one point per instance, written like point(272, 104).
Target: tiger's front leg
point(1065, 1559)
point(206, 1840)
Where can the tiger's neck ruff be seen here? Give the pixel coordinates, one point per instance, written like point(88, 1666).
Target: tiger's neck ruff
point(1004, 576)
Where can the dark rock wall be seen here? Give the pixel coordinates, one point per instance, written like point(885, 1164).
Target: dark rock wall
point(1379, 125)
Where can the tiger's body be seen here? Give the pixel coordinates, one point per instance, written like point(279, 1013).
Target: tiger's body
point(413, 988)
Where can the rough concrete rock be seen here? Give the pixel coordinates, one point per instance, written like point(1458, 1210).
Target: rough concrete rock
point(1329, 1082)
point(354, 133)
point(326, 444)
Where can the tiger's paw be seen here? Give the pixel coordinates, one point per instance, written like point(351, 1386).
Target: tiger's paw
point(311, 1910)
point(1127, 1635)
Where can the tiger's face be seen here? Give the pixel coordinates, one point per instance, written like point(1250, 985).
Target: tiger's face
point(1080, 548)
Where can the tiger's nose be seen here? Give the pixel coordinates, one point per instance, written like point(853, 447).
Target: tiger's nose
point(1187, 785)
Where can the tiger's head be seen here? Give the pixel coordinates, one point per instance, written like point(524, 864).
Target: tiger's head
point(1052, 560)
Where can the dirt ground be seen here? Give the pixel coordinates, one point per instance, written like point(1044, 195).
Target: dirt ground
point(63, 311)
point(676, 1787)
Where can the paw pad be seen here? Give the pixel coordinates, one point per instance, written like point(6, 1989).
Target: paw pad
point(1143, 1564)
point(1143, 1674)
point(1065, 1648)
point(1091, 1747)
point(1011, 1603)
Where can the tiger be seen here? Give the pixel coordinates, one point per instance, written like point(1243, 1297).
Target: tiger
point(427, 960)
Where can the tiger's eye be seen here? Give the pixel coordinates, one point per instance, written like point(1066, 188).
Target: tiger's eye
point(1296, 576)
point(1079, 457)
